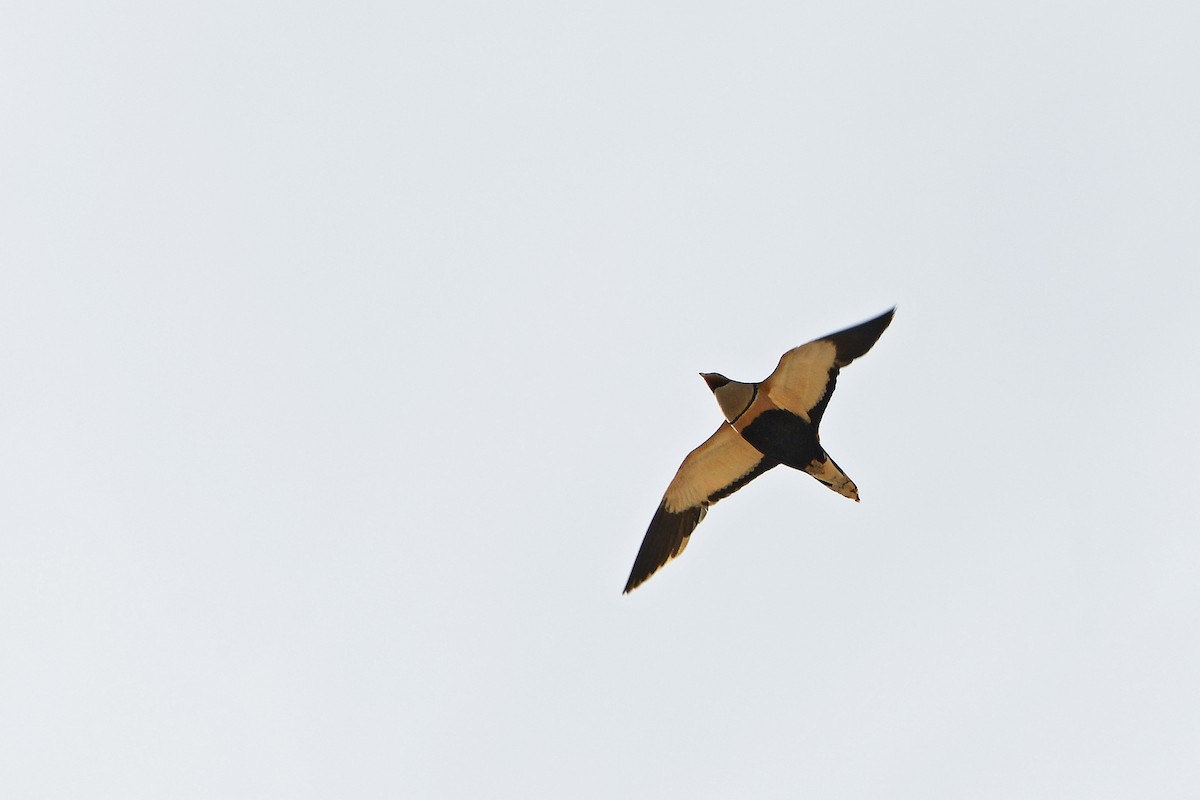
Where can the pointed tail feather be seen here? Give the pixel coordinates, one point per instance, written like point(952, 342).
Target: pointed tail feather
point(829, 473)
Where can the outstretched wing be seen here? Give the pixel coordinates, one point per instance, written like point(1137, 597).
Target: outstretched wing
point(806, 376)
point(723, 464)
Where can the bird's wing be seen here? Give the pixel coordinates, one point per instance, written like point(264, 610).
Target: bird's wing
point(805, 378)
point(723, 464)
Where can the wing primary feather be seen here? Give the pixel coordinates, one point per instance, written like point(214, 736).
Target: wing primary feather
point(666, 538)
point(854, 342)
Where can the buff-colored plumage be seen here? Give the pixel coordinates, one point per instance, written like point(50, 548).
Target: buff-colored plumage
point(766, 424)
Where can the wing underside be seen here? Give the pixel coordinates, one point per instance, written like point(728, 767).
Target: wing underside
point(715, 469)
point(806, 375)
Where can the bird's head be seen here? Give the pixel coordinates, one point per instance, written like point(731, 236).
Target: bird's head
point(733, 397)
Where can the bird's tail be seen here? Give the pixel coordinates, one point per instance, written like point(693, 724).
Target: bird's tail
point(829, 473)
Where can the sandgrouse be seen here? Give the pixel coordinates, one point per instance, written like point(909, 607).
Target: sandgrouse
point(766, 424)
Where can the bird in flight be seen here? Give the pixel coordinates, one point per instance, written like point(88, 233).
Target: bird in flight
point(766, 424)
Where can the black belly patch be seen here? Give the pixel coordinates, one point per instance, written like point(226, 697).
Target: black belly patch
point(785, 437)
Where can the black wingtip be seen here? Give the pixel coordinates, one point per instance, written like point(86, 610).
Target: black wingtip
point(856, 341)
point(634, 582)
point(665, 538)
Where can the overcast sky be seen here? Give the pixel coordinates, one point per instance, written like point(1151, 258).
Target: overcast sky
point(347, 349)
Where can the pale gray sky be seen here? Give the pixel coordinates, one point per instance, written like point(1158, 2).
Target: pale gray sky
point(347, 350)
